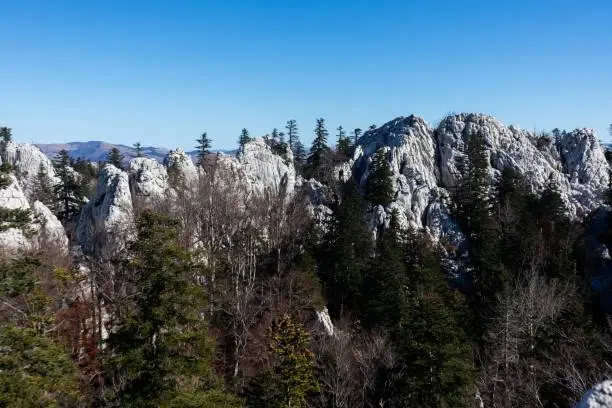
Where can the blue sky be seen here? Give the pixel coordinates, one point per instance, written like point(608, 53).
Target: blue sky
point(162, 72)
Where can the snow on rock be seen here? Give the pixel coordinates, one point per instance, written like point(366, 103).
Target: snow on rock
point(600, 396)
point(148, 179)
point(107, 220)
point(266, 170)
point(26, 160)
point(51, 232)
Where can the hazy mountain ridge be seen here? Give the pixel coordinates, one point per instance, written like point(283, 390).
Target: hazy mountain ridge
point(96, 150)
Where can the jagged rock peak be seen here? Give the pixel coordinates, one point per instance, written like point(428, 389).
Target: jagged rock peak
point(106, 221)
point(573, 161)
point(26, 160)
point(178, 160)
point(265, 169)
point(148, 179)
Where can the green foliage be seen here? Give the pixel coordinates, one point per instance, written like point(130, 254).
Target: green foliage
point(379, 187)
point(161, 354)
point(292, 132)
point(344, 143)
point(116, 158)
point(6, 134)
point(356, 135)
point(138, 148)
point(203, 147)
point(35, 372)
point(292, 375)
point(345, 254)
point(43, 188)
point(70, 191)
point(243, 140)
point(318, 151)
point(16, 277)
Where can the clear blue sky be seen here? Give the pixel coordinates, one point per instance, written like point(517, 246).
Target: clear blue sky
point(161, 72)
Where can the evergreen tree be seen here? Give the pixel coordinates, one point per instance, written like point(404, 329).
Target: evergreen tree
point(379, 186)
point(356, 135)
point(35, 372)
point(275, 136)
point(372, 127)
point(116, 158)
point(203, 147)
point(69, 191)
point(385, 282)
point(292, 133)
point(43, 188)
point(161, 353)
point(344, 144)
point(345, 254)
point(138, 148)
point(436, 356)
point(6, 134)
point(243, 140)
point(292, 376)
point(318, 150)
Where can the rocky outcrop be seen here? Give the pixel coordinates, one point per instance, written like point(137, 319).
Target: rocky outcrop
point(26, 160)
point(107, 220)
point(426, 165)
point(574, 161)
point(265, 170)
point(44, 230)
point(600, 396)
point(179, 162)
point(148, 179)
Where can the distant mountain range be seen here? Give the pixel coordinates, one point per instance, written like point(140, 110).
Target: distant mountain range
point(96, 151)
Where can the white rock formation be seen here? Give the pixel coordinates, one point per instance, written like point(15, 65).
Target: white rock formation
point(45, 230)
point(600, 396)
point(26, 160)
point(265, 170)
point(148, 179)
point(107, 220)
point(178, 160)
point(425, 161)
point(51, 231)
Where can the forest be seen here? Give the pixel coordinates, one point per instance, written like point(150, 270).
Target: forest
point(217, 299)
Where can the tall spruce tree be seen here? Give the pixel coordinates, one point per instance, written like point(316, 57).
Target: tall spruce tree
point(318, 150)
point(116, 158)
point(162, 354)
point(345, 254)
point(6, 134)
point(243, 140)
point(379, 186)
point(356, 135)
point(292, 132)
point(203, 147)
point(43, 188)
point(138, 148)
point(344, 144)
point(69, 191)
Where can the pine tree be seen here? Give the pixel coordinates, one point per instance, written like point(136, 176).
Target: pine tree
point(292, 376)
point(344, 144)
point(138, 148)
point(69, 191)
point(274, 135)
point(6, 134)
point(292, 133)
point(203, 147)
point(243, 140)
point(43, 188)
point(435, 355)
point(385, 282)
point(116, 158)
point(162, 353)
point(379, 186)
point(318, 150)
point(356, 135)
point(372, 127)
point(345, 254)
